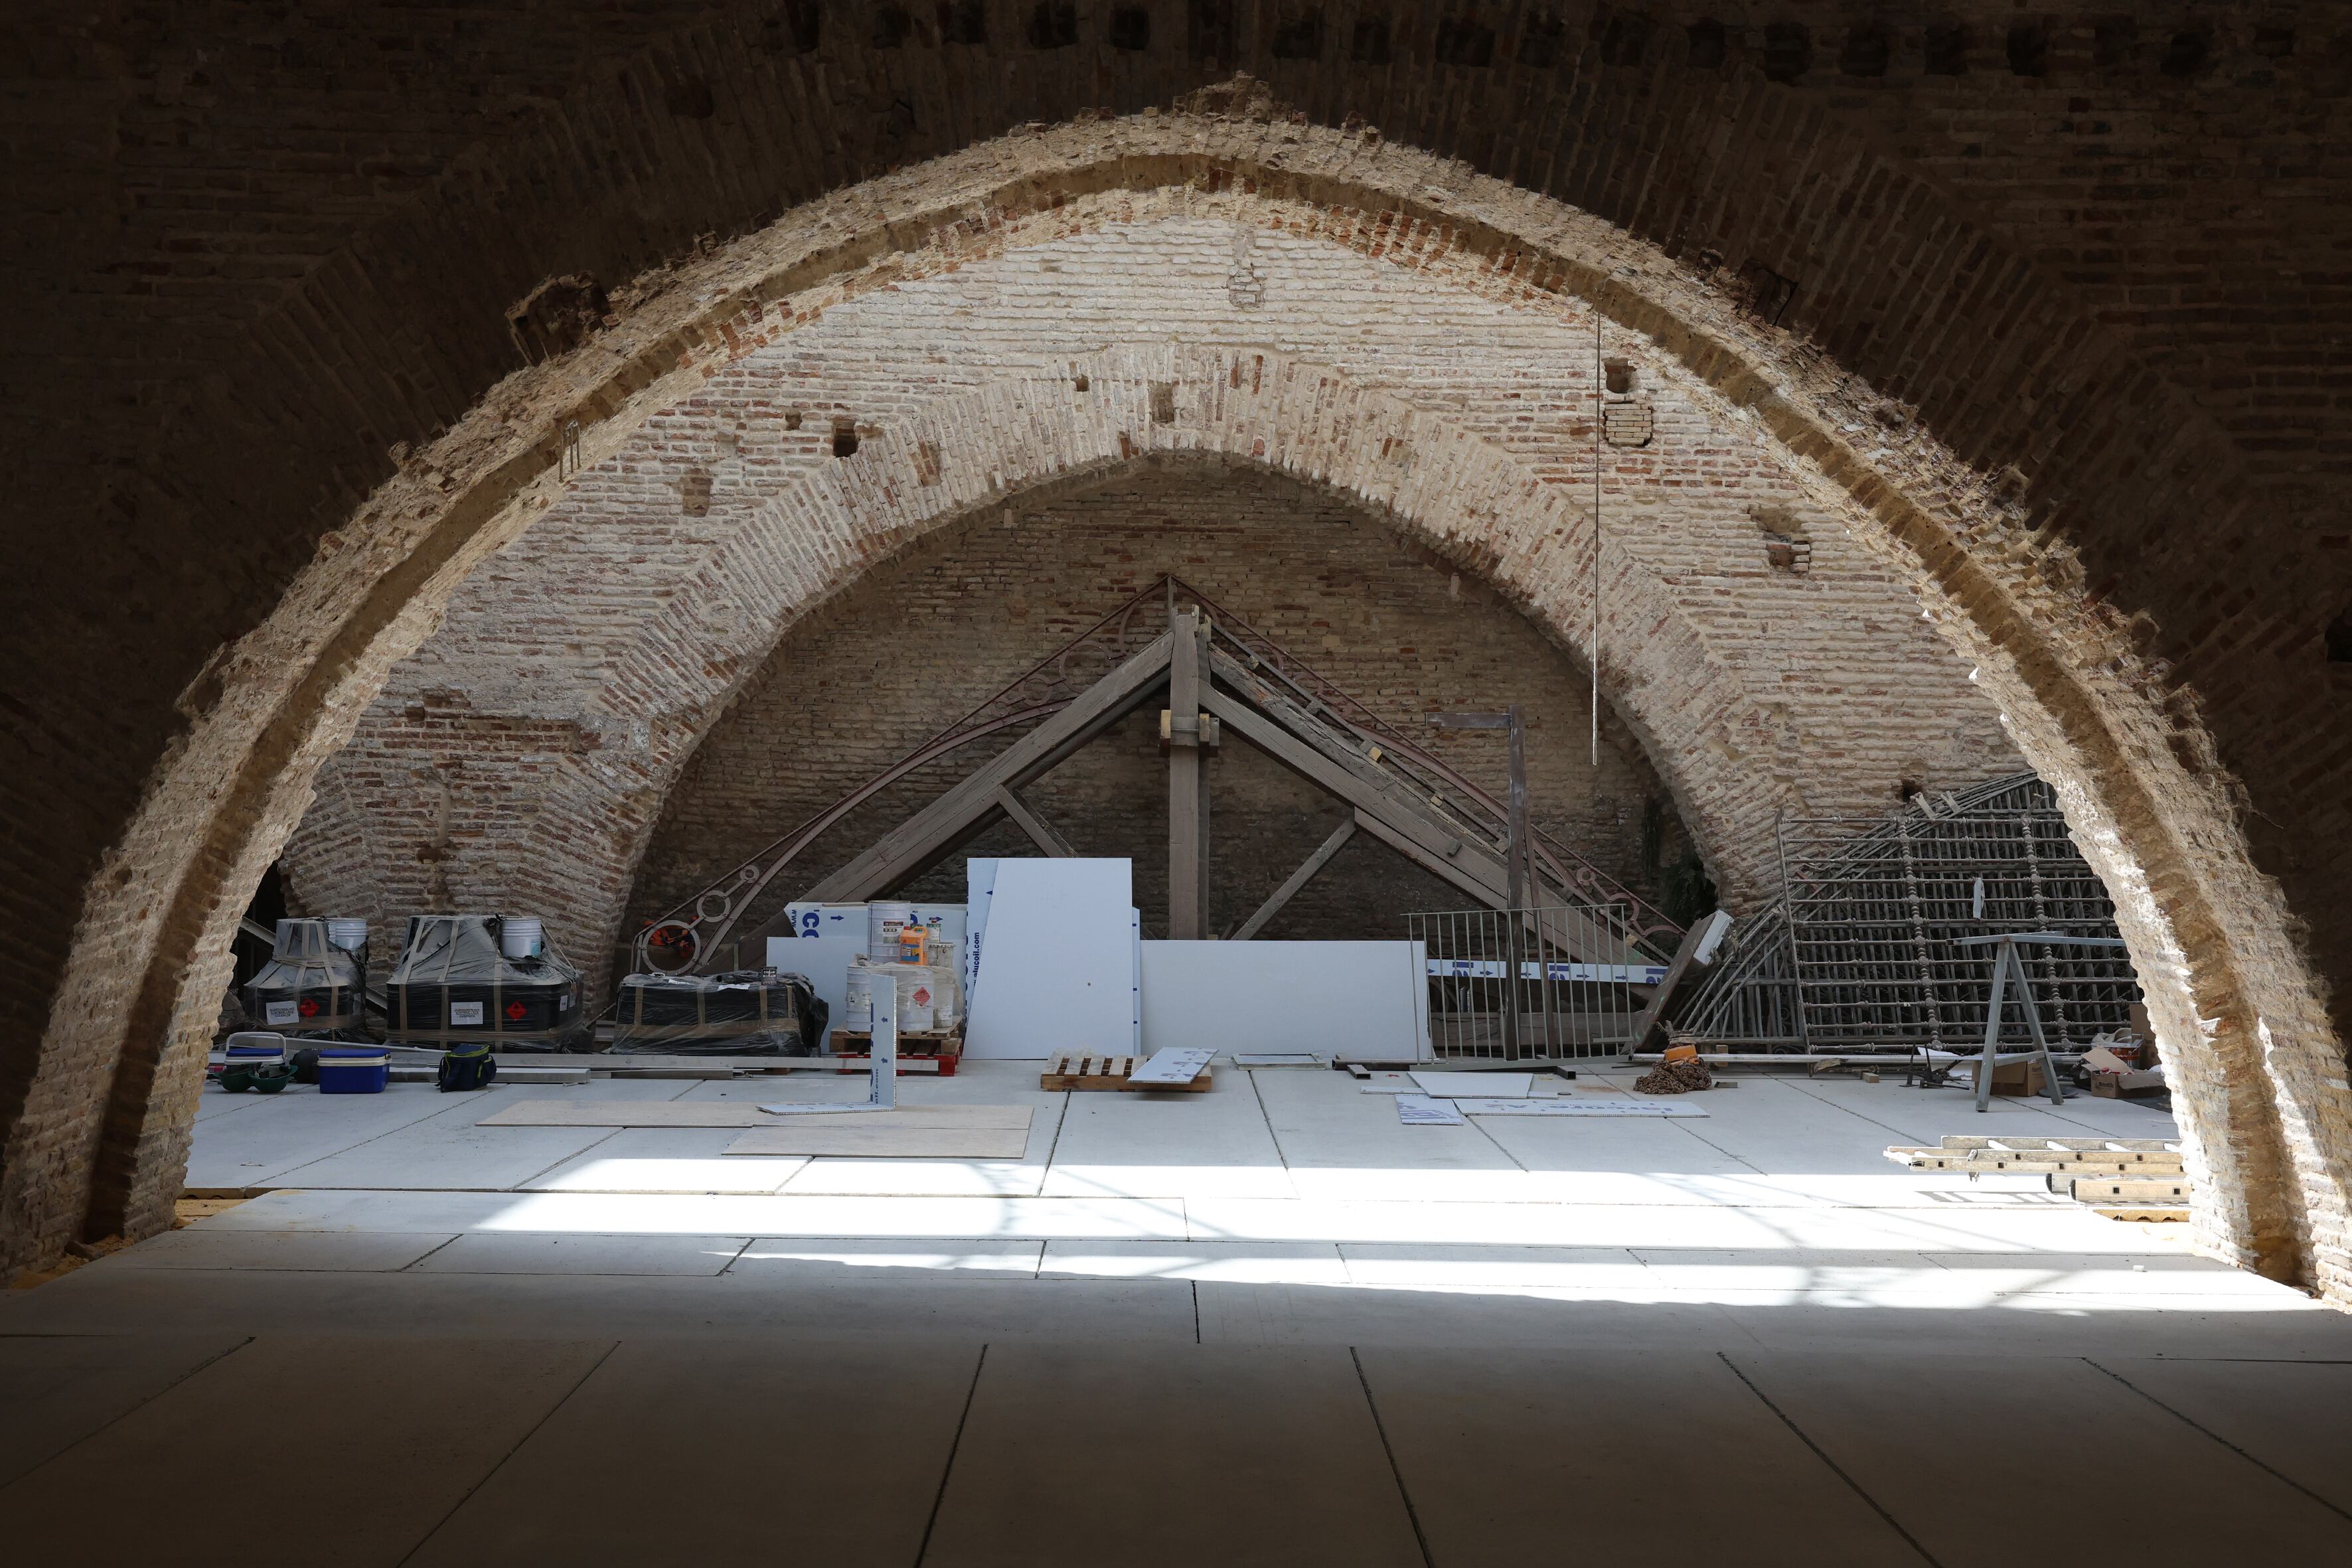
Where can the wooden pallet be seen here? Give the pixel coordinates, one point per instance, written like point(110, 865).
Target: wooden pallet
point(1083, 1070)
point(944, 1046)
point(2149, 1213)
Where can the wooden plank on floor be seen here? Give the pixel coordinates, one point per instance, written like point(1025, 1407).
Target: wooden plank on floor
point(881, 1140)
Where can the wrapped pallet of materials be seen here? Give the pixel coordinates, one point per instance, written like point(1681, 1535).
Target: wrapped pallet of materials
point(751, 1012)
point(457, 983)
point(309, 986)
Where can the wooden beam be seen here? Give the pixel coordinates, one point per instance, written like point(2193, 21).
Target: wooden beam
point(1024, 818)
point(1685, 953)
point(1187, 826)
point(1394, 815)
point(959, 815)
point(1298, 879)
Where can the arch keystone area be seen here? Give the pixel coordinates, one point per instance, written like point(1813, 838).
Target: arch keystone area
point(100, 1144)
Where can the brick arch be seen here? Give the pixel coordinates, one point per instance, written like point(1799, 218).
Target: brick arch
point(1719, 751)
point(2235, 1002)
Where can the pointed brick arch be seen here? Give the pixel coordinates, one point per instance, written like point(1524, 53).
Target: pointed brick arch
point(101, 1139)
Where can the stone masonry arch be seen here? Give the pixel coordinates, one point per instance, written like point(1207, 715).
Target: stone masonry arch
point(102, 1138)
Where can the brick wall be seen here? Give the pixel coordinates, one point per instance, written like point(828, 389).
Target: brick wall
point(928, 636)
point(2105, 291)
point(1764, 659)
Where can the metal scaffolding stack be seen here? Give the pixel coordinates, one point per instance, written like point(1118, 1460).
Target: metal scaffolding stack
point(1861, 950)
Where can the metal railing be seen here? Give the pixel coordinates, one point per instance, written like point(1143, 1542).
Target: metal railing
point(1502, 988)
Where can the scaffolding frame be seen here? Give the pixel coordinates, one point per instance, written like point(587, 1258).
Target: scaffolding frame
point(1870, 944)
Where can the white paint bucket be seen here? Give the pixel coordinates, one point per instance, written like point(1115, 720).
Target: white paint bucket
point(523, 936)
point(349, 935)
point(883, 923)
point(918, 995)
point(857, 1000)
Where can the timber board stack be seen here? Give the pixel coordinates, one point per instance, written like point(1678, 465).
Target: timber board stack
point(2120, 1178)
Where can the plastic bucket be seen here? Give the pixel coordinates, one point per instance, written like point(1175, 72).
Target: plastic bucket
point(353, 1069)
point(523, 936)
point(883, 922)
point(349, 935)
point(858, 1001)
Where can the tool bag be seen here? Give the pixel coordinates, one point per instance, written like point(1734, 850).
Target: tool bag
point(468, 1066)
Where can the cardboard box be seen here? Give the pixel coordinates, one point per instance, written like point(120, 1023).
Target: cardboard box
point(2125, 1085)
point(2015, 1078)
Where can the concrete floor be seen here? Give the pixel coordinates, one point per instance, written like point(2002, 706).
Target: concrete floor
point(1266, 1325)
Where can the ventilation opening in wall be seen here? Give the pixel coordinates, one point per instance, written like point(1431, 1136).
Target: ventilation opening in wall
point(2028, 51)
point(1053, 24)
point(2340, 639)
point(1787, 50)
point(964, 22)
point(1625, 39)
point(1163, 403)
point(1866, 51)
point(1620, 373)
point(1298, 34)
point(1706, 42)
point(1130, 29)
point(1947, 50)
point(845, 438)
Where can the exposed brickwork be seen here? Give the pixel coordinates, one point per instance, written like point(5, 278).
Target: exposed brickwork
point(2125, 481)
point(928, 637)
point(644, 597)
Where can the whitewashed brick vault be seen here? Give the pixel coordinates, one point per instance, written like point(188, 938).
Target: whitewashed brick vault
point(1425, 387)
point(1361, 317)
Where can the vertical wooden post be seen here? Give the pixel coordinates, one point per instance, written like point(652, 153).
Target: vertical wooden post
point(1188, 826)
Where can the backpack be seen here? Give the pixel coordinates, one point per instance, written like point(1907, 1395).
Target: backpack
point(468, 1066)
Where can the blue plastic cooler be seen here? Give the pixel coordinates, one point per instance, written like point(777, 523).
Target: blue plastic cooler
point(353, 1069)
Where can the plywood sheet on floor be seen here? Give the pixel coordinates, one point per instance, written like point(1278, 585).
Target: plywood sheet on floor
point(1503, 1458)
point(384, 1408)
point(686, 1160)
point(865, 1431)
point(1175, 1456)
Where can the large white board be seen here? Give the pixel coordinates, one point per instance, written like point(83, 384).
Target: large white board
point(1056, 959)
point(1367, 1000)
